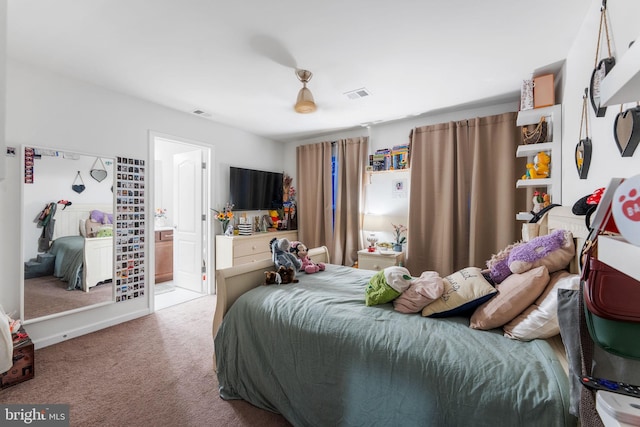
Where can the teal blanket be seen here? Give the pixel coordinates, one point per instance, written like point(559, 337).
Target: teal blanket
point(69, 252)
point(315, 353)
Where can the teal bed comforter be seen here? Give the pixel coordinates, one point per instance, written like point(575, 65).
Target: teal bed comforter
point(69, 252)
point(315, 353)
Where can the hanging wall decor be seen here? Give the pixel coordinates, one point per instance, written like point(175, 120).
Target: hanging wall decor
point(99, 174)
point(626, 130)
point(601, 68)
point(583, 148)
point(78, 188)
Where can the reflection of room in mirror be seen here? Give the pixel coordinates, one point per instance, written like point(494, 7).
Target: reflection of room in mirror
point(68, 235)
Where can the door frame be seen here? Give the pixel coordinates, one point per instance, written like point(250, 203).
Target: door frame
point(207, 191)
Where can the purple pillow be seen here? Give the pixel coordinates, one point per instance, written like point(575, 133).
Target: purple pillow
point(555, 251)
point(498, 265)
point(101, 217)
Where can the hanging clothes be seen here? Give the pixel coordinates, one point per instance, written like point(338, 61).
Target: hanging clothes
point(46, 221)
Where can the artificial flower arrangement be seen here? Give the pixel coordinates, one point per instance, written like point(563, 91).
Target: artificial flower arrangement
point(400, 239)
point(161, 213)
point(224, 215)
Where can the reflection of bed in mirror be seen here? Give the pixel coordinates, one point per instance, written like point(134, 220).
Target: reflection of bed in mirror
point(83, 247)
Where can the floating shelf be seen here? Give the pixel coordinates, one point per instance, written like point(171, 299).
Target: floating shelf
point(533, 149)
point(531, 117)
point(524, 216)
point(622, 84)
point(540, 182)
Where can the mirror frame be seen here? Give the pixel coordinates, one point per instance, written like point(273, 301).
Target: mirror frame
point(24, 224)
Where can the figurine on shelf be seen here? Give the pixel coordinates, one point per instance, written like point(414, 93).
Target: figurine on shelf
point(540, 201)
point(539, 168)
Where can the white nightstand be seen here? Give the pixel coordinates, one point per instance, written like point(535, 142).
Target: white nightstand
point(379, 260)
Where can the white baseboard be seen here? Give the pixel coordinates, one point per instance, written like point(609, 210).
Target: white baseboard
point(86, 329)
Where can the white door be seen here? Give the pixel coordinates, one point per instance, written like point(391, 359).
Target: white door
point(188, 235)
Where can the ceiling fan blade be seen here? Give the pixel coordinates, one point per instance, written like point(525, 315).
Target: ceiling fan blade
point(273, 49)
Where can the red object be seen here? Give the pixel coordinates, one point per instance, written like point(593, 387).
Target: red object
point(371, 249)
point(594, 199)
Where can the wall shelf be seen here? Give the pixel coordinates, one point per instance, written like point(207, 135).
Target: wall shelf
point(622, 83)
point(527, 183)
point(553, 185)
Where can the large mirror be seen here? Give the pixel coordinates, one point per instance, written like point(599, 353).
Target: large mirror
point(68, 232)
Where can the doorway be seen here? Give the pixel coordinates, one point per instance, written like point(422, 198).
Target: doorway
point(181, 233)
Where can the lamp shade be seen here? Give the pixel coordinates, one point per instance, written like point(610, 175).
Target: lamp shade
point(375, 223)
point(305, 103)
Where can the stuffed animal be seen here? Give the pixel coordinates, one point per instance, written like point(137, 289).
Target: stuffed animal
point(539, 168)
point(281, 255)
point(300, 250)
point(288, 275)
point(283, 276)
point(272, 278)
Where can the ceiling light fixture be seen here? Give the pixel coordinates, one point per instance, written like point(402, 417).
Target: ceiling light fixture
point(304, 104)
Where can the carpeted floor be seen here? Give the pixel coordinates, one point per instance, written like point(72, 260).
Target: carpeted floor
point(48, 294)
point(152, 371)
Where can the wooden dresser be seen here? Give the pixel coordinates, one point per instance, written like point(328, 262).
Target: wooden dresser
point(164, 255)
point(236, 250)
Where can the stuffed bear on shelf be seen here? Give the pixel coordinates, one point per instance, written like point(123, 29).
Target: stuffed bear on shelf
point(308, 266)
point(539, 168)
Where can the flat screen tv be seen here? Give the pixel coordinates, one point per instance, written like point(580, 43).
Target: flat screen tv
point(251, 189)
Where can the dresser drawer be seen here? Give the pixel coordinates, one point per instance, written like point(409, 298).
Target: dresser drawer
point(377, 261)
point(164, 235)
point(252, 247)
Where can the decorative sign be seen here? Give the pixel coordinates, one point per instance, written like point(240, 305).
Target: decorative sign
point(626, 209)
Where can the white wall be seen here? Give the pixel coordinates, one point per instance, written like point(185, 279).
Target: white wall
point(606, 160)
point(3, 60)
point(49, 110)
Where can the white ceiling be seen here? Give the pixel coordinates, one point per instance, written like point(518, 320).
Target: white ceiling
point(235, 59)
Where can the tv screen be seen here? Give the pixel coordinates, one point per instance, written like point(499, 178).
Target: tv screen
point(251, 189)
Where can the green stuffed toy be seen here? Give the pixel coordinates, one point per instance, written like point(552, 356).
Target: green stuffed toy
point(387, 285)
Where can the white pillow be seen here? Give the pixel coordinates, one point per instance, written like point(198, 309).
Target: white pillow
point(540, 319)
point(83, 228)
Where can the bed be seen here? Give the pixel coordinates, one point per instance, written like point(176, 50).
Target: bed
point(315, 353)
point(81, 260)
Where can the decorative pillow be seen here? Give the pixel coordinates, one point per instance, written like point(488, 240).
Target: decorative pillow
point(398, 278)
point(378, 291)
point(105, 231)
point(423, 291)
point(463, 291)
point(498, 265)
point(555, 251)
point(515, 294)
point(83, 228)
point(92, 228)
point(540, 320)
point(101, 217)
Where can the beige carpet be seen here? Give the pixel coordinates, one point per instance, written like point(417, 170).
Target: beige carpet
point(48, 295)
point(152, 371)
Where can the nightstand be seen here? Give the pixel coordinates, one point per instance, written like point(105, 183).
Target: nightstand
point(379, 260)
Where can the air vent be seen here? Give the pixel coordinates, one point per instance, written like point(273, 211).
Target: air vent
point(202, 113)
point(358, 93)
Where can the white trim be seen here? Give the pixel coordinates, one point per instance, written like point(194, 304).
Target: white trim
point(87, 329)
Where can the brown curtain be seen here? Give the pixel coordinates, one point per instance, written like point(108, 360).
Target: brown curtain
point(352, 158)
point(315, 205)
point(463, 199)
point(318, 224)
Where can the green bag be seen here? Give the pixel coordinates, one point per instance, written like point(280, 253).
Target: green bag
point(615, 336)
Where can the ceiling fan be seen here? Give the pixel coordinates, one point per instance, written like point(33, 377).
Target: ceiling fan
point(304, 103)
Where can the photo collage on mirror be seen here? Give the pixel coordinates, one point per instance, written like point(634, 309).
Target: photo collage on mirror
point(130, 228)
